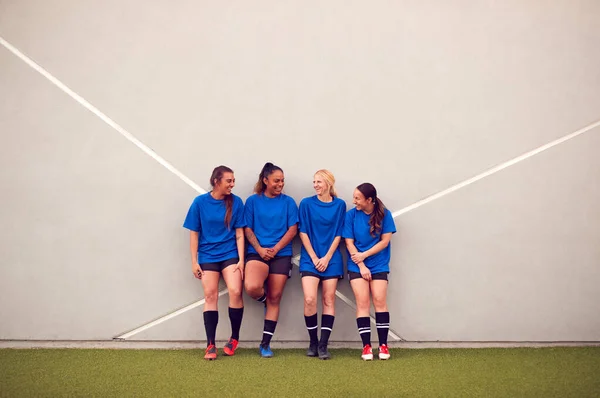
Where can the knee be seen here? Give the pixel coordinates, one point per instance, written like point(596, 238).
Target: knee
point(329, 301)
point(380, 304)
point(235, 291)
point(310, 301)
point(254, 290)
point(211, 296)
point(363, 304)
point(273, 298)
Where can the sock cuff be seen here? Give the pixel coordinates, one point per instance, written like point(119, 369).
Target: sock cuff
point(211, 315)
point(382, 317)
point(363, 322)
point(236, 310)
point(327, 320)
point(270, 325)
point(311, 320)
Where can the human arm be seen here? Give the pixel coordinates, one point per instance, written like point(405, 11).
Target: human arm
point(262, 252)
point(196, 270)
point(379, 246)
point(284, 241)
point(240, 243)
point(352, 250)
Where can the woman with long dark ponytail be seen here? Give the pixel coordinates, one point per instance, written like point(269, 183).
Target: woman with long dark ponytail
point(216, 223)
point(368, 228)
point(271, 219)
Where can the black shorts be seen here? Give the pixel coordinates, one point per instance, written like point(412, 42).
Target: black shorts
point(322, 278)
point(220, 266)
point(278, 265)
point(382, 276)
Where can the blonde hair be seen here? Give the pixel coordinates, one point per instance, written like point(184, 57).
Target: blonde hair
point(329, 179)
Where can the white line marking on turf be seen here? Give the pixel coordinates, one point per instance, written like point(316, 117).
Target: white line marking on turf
point(494, 170)
point(101, 115)
point(166, 317)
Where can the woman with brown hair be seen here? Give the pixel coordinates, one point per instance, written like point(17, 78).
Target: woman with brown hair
point(271, 224)
point(216, 223)
point(368, 229)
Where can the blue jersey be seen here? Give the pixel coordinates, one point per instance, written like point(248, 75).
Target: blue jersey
point(216, 242)
point(322, 222)
point(270, 219)
point(356, 226)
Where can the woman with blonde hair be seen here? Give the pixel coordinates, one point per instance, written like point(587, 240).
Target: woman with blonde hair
point(321, 224)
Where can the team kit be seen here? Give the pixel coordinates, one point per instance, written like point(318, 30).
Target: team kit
point(250, 246)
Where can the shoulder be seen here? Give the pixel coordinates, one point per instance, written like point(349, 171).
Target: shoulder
point(340, 203)
point(288, 199)
point(351, 213)
point(237, 200)
point(251, 198)
point(307, 201)
point(387, 213)
point(200, 198)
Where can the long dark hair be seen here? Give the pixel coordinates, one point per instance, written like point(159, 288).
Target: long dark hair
point(267, 170)
point(217, 174)
point(369, 191)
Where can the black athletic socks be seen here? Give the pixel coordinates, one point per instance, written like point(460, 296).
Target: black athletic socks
point(235, 317)
point(263, 298)
point(326, 327)
point(364, 329)
point(382, 319)
point(268, 331)
point(311, 326)
point(211, 318)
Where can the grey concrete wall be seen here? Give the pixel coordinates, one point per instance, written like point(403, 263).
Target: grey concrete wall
point(412, 96)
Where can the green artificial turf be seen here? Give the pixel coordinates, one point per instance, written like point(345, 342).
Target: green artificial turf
point(509, 372)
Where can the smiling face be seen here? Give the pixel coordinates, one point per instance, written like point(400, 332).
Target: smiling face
point(274, 183)
point(361, 203)
point(225, 184)
point(320, 185)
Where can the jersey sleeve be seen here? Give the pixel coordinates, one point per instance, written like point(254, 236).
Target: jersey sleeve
point(303, 217)
point(348, 230)
point(249, 213)
point(292, 212)
point(388, 224)
point(341, 215)
point(239, 220)
point(192, 220)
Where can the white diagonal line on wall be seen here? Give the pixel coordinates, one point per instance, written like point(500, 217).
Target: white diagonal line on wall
point(83, 102)
point(165, 317)
point(180, 311)
point(494, 170)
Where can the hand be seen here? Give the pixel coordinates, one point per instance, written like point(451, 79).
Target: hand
point(197, 271)
point(358, 257)
point(264, 253)
point(364, 272)
point(322, 264)
point(273, 252)
point(239, 267)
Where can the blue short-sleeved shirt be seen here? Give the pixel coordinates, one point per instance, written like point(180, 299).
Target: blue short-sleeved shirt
point(322, 222)
point(207, 216)
point(356, 226)
point(270, 219)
